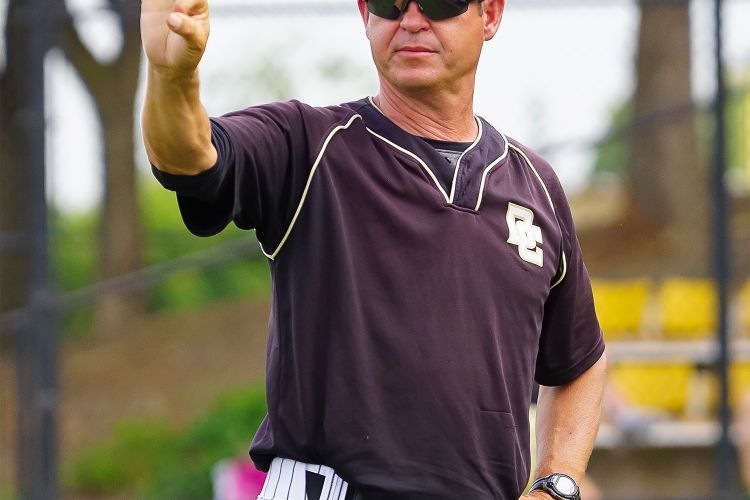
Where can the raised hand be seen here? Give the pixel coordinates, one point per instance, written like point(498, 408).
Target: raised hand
point(176, 129)
point(174, 34)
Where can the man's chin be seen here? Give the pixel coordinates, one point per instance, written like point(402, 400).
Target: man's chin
point(416, 82)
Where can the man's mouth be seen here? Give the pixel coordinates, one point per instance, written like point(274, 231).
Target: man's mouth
point(415, 49)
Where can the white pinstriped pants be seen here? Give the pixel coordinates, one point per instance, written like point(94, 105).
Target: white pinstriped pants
point(288, 479)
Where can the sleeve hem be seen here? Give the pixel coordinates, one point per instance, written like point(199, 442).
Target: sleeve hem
point(195, 184)
point(186, 184)
point(573, 372)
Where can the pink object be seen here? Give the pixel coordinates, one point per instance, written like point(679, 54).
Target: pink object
point(235, 479)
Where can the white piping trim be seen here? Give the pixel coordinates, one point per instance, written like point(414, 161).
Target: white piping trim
point(539, 178)
point(564, 271)
point(549, 198)
point(458, 163)
point(372, 101)
point(487, 171)
point(448, 198)
point(418, 159)
point(314, 168)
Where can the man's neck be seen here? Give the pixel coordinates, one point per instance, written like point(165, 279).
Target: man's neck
point(447, 117)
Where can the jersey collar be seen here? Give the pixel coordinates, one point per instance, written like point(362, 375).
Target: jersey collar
point(488, 152)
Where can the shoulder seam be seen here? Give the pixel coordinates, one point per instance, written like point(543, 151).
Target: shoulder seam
point(536, 174)
point(310, 176)
point(563, 264)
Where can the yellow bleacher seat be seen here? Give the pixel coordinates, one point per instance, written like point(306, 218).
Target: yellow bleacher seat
point(687, 308)
point(739, 382)
point(739, 386)
point(620, 306)
point(659, 386)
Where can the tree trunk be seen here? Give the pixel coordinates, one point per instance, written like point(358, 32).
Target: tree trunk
point(113, 87)
point(14, 178)
point(120, 241)
point(667, 178)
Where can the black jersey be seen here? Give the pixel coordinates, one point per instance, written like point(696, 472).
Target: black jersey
point(408, 318)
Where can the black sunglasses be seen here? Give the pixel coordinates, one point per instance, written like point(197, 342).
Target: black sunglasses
point(436, 10)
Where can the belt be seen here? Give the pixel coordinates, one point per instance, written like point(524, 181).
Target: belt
point(289, 479)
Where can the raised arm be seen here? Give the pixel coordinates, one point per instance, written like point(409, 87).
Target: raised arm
point(176, 129)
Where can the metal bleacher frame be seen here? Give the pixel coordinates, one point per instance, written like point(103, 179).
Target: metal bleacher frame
point(678, 432)
point(649, 345)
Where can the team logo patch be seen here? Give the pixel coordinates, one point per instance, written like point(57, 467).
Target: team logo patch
point(523, 232)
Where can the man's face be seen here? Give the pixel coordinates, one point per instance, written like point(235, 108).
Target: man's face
point(415, 53)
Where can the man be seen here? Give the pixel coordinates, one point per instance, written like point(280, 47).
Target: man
point(742, 423)
point(425, 267)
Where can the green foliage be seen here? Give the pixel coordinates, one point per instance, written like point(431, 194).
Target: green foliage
point(8, 493)
point(148, 460)
point(74, 250)
point(136, 452)
point(168, 239)
point(612, 153)
point(73, 239)
point(738, 129)
point(269, 78)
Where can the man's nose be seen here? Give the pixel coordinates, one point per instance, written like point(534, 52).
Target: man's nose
point(413, 19)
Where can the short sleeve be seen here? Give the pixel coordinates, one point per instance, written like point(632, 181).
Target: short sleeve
point(206, 200)
point(571, 339)
point(264, 159)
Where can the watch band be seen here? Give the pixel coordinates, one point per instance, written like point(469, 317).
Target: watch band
point(559, 486)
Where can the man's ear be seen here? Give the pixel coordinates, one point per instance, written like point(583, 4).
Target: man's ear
point(364, 13)
point(492, 15)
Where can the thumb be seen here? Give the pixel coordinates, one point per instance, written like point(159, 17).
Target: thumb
point(184, 26)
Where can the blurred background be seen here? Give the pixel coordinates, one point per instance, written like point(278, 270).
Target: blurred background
point(132, 353)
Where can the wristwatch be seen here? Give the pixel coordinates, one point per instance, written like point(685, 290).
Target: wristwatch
point(558, 486)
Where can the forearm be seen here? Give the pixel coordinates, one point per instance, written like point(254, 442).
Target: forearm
point(176, 129)
point(567, 423)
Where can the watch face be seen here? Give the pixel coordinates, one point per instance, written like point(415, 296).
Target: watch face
point(565, 485)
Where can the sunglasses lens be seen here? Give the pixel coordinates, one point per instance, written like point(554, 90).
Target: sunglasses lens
point(436, 10)
point(389, 9)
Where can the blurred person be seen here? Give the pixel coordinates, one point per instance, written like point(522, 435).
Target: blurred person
point(425, 266)
point(742, 424)
point(234, 479)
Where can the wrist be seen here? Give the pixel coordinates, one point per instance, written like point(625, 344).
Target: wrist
point(540, 494)
point(557, 486)
point(173, 77)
